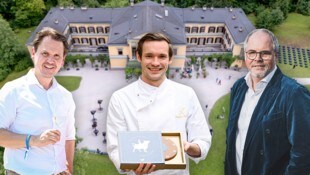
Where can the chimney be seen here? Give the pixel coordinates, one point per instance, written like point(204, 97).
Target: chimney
point(166, 12)
point(84, 7)
point(132, 3)
point(162, 3)
point(204, 8)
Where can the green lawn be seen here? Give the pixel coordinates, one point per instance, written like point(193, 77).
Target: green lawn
point(298, 72)
point(24, 34)
point(295, 31)
point(13, 76)
point(71, 83)
point(214, 163)
point(99, 164)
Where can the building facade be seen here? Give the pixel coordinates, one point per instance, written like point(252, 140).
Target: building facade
point(116, 31)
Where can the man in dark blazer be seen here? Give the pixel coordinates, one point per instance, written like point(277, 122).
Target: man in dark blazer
point(268, 131)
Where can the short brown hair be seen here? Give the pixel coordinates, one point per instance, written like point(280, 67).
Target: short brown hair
point(47, 31)
point(154, 37)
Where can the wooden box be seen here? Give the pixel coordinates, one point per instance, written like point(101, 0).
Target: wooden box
point(129, 139)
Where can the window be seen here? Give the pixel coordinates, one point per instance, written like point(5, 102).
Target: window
point(195, 30)
point(211, 30)
point(91, 30)
point(220, 30)
point(84, 41)
point(187, 40)
point(100, 30)
point(202, 29)
point(187, 30)
point(175, 51)
point(93, 41)
point(201, 41)
point(73, 30)
point(120, 51)
point(82, 29)
point(75, 41)
point(209, 40)
point(101, 41)
point(218, 40)
point(107, 29)
point(194, 40)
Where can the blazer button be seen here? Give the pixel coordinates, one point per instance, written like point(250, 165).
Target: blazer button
point(261, 152)
point(267, 131)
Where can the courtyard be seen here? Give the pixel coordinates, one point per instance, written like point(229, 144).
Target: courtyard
point(100, 84)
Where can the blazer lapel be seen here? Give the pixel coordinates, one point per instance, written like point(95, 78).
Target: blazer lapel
point(263, 107)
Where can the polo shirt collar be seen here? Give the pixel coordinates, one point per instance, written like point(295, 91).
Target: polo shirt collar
point(32, 80)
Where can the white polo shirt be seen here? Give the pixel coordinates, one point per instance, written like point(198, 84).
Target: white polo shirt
point(169, 107)
point(27, 108)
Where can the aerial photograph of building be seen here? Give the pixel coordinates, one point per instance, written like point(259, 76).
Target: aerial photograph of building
point(207, 39)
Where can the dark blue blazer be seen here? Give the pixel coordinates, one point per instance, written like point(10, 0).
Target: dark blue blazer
point(278, 139)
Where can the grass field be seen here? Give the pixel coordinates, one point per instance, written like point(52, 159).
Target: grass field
point(214, 163)
point(24, 34)
point(71, 83)
point(298, 72)
point(295, 31)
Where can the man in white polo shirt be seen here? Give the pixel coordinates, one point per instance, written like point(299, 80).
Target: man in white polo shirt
point(37, 114)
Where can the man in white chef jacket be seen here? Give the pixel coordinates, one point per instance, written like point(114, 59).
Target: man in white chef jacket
point(154, 103)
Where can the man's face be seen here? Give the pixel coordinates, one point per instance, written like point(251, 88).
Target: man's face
point(48, 58)
point(154, 62)
point(259, 67)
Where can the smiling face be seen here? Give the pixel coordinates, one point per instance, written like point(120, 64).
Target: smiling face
point(258, 67)
point(154, 62)
point(48, 59)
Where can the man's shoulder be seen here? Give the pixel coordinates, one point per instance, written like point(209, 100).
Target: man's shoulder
point(179, 86)
point(16, 83)
point(127, 89)
point(290, 84)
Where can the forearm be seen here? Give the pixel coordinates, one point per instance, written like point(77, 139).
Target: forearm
point(70, 147)
point(9, 139)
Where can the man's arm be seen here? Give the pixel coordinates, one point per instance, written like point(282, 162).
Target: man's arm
point(192, 149)
point(70, 147)
point(12, 140)
point(198, 131)
point(299, 127)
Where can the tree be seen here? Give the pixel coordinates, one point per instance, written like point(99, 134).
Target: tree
point(264, 19)
point(65, 3)
point(28, 12)
point(303, 7)
point(91, 3)
point(4, 6)
point(119, 3)
point(277, 16)
point(11, 52)
point(282, 5)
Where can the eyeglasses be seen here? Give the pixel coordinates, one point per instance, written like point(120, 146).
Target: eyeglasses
point(264, 54)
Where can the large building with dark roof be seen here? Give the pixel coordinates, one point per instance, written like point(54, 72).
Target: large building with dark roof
point(116, 31)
